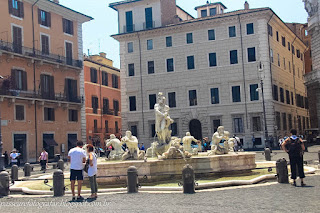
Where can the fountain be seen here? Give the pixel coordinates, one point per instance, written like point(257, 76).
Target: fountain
point(167, 157)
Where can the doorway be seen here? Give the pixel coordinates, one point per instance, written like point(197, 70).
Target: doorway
point(72, 141)
point(49, 143)
point(20, 144)
point(195, 129)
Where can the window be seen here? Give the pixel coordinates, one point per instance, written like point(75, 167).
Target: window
point(237, 125)
point(94, 104)
point(288, 96)
point(20, 112)
point(290, 121)
point(149, 20)
point(279, 60)
point(71, 90)
point(277, 36)
point(250, 29)
point(169, 41)
point(105, 78)
point(284, 63)
point(211, 35)
point(44, 18)
point(213, 11)
point(116, 107)
point(150, 67)
point(204, 13)
point(45, 44)
point(174, 129)
point(115, 81)
point(212, 59)
point(134, 130)
point(95, 125)
point(293, 50)
point(275, 93)
point(73, 115)
point(69, 53)
point(236, 95)
point(129, 22)
point(270, 31)
point(215, 124)
point(172, 99)
point(283, 41)
point(19, 79)
point(284, 121)
point(292, 100)
point(281, 95)
point(130, 47)
point(48, 114)
point(47, 86)
point(170, 66)
point(254, 94)
point(132, 103)
point(105, 109)
point(17, 39)
point(278, 120)
point(116, 126)
point(214, 95)
point(289, 66)
point(298, 53)
point(131, 69)
point(190, 62)
point(93, 75)
point(193, 98)
point(232, 31)
point(251, 54)
point(256, 124)
point(189, 38)
point(152, 101)
point(289, 46)
point(271, 55)
point(233, 56)
point(149, 44)
point(16, 8)
point(153, 130)
point(67, 26)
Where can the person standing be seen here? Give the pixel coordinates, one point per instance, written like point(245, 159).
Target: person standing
point(14, 157)
point(43, 160)
point(92, 171)
point(295, 147)
point(77, 157)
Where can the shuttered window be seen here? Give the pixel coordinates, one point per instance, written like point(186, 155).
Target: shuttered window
point(45, 44)
point(16, 8)
point(67, 26)
point(19, 79)
point(44, 18)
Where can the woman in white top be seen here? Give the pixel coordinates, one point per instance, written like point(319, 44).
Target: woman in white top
point(92, 171)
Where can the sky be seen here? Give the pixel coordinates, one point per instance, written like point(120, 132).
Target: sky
point(96, 33)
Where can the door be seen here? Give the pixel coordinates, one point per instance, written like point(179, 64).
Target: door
point(149, 21)
point(195, 129)
point(72, 141)
point(69, 53)
point(49, 148)
point(71, 90)
point(20, 144)
point(17, 39)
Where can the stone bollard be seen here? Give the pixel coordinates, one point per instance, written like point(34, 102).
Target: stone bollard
point(188, 179)
point(132, 179)
point(4, 183)
point(282, 171)
point(58, 183)
point(60, 164)
point(267, 154)
point(14, 173)
point(27, 170)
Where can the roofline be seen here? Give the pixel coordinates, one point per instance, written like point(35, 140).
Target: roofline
point(215, 3)
point(113, 5)
point(103, 65)
point(184, 11)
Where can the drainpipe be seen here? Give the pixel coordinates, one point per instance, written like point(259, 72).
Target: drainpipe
point(294, 79)
point(34, 79)
point(270, 66)
point(141, 84)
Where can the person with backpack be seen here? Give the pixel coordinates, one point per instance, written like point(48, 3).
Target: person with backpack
point(295, 147)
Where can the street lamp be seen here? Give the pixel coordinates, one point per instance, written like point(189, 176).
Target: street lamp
point(1, 156)
point(260, 69)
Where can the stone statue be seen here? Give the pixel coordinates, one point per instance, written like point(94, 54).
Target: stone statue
point(175, 150)
point(220, 143)
point(132, 151)
point(187, 140)
point(117, 151)
point(163, 120)
point(311, 6)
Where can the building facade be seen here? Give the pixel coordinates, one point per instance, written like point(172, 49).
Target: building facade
point(313, 78)
point(210, 68)
point(102, 89)
point(41, 62)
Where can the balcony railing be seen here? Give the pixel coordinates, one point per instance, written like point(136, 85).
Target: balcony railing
point(38, 95)
point(148, 25)
point(108, 111)
point(128, 28)
point(11, 47)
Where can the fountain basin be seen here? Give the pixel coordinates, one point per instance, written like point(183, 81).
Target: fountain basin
point(154, 169)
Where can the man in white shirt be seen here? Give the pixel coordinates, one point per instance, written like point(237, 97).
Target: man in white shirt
point(77, 157)
point(14, 157)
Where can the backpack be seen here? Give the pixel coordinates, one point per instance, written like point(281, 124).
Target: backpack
point(294, 147)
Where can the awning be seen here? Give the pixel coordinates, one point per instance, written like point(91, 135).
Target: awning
point(50, 142)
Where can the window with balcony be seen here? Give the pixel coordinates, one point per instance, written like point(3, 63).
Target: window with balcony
point(71, 90)
point(93, 75)
point(116, 107)
point(149, 19)
point(73, 115)
point(49, 114)
point(44, 18)
point(69, 53)
point(19, 79)
point(129, 22)
point(17, 39)
point(47, 86)
point(131, 69)
point(16, 8)
point(45, 45)
point(115, 81)
point(67, 26)
point(104, 78)
point(193, 98)
point(95, 104)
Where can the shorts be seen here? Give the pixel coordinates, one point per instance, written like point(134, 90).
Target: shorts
point(76, 174)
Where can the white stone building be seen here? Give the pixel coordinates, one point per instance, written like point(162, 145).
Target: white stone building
point(208, 68)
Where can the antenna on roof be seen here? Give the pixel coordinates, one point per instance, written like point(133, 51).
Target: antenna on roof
point(88, 52)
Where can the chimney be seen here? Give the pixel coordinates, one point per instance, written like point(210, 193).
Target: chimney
point(246, 5)
point(103, 55)
point(56, 1)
